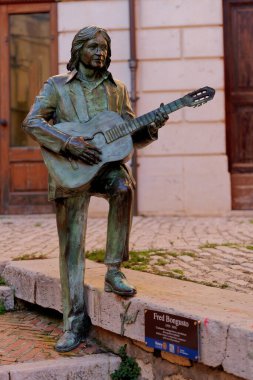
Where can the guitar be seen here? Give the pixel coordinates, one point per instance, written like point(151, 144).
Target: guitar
point(112, 135)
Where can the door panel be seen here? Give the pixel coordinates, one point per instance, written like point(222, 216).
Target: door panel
point(238, 42)
point(28, 173)
point(28, 43)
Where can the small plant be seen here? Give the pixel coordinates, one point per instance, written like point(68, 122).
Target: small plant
point(178, 271)
point(140, 268)
point(31, 256)
point(231, 245)
point(128, 369)
point(171, 274)
point(138, 260)
point(139, 257)
point(173, 254)
point(208, 245)
point(186, 253)
point(161, 262)
point(2, 281)
point(160, 252)
point(213, 284)
point(2, 307)
point(97, 255)
point(226, 244)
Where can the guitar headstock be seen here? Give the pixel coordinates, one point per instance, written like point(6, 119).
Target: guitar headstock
point(198, 97)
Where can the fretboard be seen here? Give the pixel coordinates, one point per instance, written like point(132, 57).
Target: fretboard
point(129, 127)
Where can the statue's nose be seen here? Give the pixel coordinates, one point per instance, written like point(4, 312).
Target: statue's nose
point(99, 50)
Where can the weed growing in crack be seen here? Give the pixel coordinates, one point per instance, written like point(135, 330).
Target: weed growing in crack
point(31, 256)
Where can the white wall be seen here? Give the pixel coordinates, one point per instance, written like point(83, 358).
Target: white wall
point(179, 48)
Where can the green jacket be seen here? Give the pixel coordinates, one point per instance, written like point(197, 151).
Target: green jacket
point(62, 100)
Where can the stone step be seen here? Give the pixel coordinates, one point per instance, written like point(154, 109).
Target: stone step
point(97, 366)
point(226, 317)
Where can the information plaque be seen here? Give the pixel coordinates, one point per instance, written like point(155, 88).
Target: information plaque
point(172, 333)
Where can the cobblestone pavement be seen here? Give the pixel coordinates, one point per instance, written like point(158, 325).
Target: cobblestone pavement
point(216, 251)
point(28, 336)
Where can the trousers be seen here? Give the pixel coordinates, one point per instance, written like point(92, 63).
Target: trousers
point(116, 185)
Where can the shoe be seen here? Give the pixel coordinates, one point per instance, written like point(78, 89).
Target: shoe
point(116, 282)
point(68, 341)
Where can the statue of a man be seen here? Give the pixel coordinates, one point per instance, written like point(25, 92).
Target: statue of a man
point(77, 96)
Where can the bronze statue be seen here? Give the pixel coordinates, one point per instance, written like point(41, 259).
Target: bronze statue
point(80, 95)
point(85, 125)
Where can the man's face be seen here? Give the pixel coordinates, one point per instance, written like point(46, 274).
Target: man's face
point(94, 52)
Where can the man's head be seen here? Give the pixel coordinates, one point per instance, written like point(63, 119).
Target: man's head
point(89, 47)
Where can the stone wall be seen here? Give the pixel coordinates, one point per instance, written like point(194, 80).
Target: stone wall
point(160, 365)
point(179, 48)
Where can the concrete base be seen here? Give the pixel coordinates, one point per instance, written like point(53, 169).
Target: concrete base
point(98, 366)
point(226, 317)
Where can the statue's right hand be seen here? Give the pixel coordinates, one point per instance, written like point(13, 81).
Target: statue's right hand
point(79, 147)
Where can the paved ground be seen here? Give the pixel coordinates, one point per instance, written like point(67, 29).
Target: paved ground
point(215, 251)
point(212, 251)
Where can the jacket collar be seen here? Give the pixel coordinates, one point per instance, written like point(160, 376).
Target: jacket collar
point(73, 73)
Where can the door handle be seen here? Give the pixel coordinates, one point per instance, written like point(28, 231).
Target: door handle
point(3, 122)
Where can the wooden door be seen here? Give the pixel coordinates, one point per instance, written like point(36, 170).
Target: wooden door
point(238, 44)
point(28, 50)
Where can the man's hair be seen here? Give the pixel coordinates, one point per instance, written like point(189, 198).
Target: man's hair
point(83, 36)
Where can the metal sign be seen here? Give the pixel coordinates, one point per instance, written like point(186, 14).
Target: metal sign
point(172, 333)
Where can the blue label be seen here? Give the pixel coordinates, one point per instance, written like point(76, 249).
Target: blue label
point(172, 348)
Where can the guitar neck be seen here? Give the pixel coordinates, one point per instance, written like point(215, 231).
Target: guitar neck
point(150, 117)
point(131, 126)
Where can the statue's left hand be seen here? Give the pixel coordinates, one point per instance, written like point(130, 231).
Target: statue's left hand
point(161, 118)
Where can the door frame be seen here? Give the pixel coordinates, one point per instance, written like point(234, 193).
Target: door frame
point(5, 151)
point(241, 180)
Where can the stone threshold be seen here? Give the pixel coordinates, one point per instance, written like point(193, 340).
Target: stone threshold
point(96, 366)
point(226, 332)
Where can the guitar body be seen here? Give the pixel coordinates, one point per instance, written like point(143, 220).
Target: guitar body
point(75, 174)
